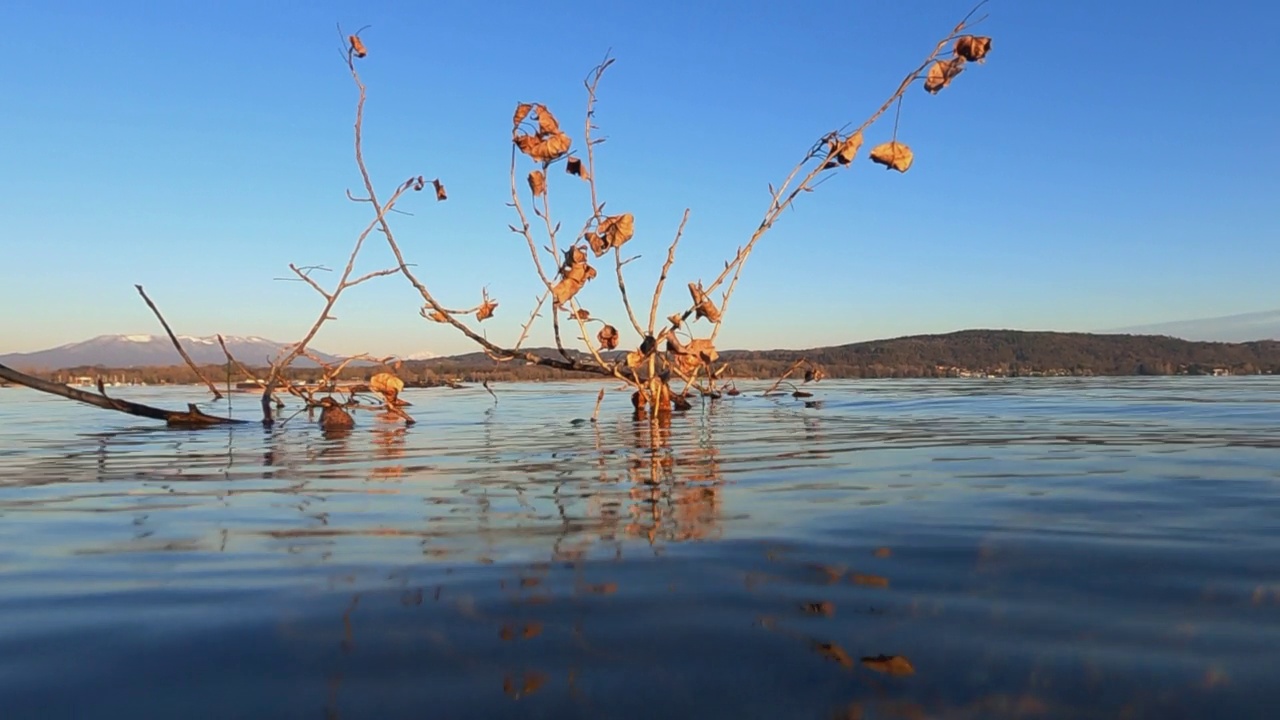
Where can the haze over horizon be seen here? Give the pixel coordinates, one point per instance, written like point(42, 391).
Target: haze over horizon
point(198, 150)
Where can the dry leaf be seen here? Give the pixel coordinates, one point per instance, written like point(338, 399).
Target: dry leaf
point(704, 307)
point(635, 359)
point(688, 358)
point(973, 47)
point(419, 183)
point(608, 338)
point(675, 320)
point(538, 182)
point(522, 112)
point(485, 311)
point(574, 274)
point(612, 232)
point(583, 314)
point(547, 124)
point(889, 664)
point(892, 154)
point(440, 193)
point(574, 166)
point(357, 46)
point(941, 73)
point(844, 151)
point(435, 315)
point(387, 385)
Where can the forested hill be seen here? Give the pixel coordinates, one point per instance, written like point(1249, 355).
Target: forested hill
point(1014, 352)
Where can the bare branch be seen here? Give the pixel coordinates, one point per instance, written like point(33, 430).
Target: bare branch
point(177, 345)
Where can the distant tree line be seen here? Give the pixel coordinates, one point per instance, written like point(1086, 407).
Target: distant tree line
point(1008, 353)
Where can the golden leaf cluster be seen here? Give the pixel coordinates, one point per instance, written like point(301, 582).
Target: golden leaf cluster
point(548, 142)
point(689, 358)
point(892, 154)
point(574, 273)
point(612, 232)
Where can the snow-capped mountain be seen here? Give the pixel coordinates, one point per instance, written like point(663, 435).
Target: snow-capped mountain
point(122, 351)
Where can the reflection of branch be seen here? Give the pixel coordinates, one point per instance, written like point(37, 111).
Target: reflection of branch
point(177, 345)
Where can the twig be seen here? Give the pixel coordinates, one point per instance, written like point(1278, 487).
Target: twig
point(177, 345)
point(666, 268)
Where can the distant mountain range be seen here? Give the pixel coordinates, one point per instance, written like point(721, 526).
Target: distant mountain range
point(1229, 328)
point(130, 351)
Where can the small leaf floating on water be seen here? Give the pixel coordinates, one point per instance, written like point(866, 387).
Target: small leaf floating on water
point(973, 47)
point(441, 195)
point(832, 651)
point(890, 665)
point(574, 166)
point(823, 608)
point(608, 337)
point(357, 46)
point(941, 73)
point(869, 580)
point(892, 154)
point(538, 182)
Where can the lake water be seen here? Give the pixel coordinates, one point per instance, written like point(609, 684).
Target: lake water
point(1058, 548)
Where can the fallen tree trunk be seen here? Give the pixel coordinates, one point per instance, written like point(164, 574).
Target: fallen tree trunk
point(192, 417)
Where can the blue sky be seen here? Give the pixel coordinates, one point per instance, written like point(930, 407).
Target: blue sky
point(1111, 164)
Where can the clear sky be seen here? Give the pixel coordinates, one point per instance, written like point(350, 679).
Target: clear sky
point(1113, 163)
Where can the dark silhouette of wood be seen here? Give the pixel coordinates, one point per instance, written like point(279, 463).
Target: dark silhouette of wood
point(193, 417)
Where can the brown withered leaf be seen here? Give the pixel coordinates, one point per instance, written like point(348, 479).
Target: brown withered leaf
point(704, 307)
point(485, 311)
point(544, 148)
point(538, 182)
point(419, 183)
point(635, 359)
point(844, 150)
point(357, 46)
point(574, 166)
point(440, 193)
point(599, 245)
point(608, 337)
point(574, 274)
point(675, 320)
point(892, 154)
point(973, 47)
point(688, 358)
point(583, 314)
point(617, 229)
point(941, 74)
point(435, 315)
point(522, 112)
point(547, 124)
point(889, 664)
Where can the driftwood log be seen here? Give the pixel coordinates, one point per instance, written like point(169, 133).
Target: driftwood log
point(192, 417)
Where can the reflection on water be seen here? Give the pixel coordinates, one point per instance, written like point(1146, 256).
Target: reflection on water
point(1037, 548)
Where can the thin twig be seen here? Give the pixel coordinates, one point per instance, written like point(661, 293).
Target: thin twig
point(177, 345)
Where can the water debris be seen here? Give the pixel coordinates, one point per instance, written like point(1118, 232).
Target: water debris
point(889, 664)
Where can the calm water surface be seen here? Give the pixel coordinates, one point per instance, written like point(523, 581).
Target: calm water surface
point(1053, 548)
